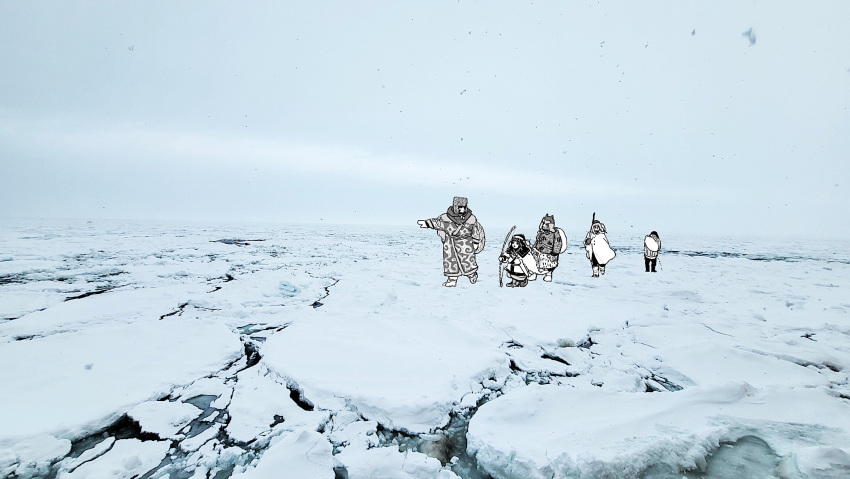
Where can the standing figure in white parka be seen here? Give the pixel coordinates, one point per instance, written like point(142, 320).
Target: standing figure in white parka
point(597, 248)
point(462, 236)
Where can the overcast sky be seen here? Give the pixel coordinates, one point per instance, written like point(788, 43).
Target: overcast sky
point(686, 117)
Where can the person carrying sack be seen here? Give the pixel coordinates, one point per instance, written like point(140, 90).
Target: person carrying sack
point(651, 247)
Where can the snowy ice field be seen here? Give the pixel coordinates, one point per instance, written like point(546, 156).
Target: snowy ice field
point(158, 350)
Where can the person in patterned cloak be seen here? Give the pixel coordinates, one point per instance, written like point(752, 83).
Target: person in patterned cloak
point(550, 243)
point(462, 236)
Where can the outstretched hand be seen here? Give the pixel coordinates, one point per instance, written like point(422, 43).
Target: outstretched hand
point(421, 223)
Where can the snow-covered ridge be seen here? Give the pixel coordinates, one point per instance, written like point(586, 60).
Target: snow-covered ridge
point(137, 349)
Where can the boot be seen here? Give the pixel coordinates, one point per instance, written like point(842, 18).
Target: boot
point(473, 277)
point(548, 277)
point(451, 282)
point(596, 271)
point(523, 283)
point(512, 284)
point(601, 269)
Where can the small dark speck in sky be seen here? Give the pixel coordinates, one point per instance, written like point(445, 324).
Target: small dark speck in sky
point(751, 36)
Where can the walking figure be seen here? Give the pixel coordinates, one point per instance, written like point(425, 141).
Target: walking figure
point(598, 251)
point(551, 241)
point(462, 236)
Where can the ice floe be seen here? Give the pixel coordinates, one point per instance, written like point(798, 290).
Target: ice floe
point(157, 350)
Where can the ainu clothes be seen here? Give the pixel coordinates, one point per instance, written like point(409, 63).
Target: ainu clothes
point(462, 237)
point(551, 241)
point(548, 242)
point(547, 262)
point(521, 264)
point(549, 246)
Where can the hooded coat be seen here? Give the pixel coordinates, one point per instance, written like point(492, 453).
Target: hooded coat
point(462, 237)
point(598, 246)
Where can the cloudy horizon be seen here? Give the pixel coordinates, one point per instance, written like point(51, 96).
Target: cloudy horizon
point(681, 117)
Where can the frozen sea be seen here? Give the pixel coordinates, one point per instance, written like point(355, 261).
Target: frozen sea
point(156, 350)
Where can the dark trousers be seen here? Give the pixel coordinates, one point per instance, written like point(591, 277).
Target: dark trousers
point(650, 261)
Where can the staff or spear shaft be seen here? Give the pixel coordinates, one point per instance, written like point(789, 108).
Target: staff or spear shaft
point(503, 251)
point(587, 240)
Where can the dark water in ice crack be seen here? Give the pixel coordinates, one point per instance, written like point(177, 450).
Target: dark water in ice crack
point(748, 457)
point(446, 444)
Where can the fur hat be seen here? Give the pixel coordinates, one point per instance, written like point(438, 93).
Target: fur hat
point(548, 218)
point(459, 201)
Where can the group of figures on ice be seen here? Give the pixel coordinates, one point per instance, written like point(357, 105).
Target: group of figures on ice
point(520, 260)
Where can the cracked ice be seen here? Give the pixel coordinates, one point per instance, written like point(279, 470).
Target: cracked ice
point(167, 351)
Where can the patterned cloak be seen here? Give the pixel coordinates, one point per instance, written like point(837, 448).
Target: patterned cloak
point(463, 238)
point(548, 246)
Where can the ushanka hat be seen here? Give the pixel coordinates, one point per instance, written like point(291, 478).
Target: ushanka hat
point(459, 201)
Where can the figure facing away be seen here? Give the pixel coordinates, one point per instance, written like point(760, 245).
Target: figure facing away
point(462, 236)
point(521, 266)
point(651, 247)
point(597, 248)
point(550, 243)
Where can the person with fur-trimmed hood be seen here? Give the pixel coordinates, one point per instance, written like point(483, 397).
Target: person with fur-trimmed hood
point(597, 248)
point(549, 244)
point(462, 236)
point(521, 266)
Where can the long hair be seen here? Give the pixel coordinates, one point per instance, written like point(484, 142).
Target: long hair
point(522, 249)
point(601, 227)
